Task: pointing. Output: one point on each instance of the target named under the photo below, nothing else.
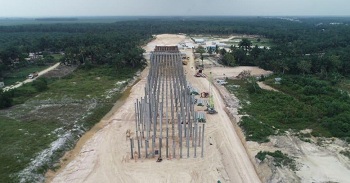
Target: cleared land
(104, 157)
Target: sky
(64, 8)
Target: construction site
(171, 127)
(165, 119)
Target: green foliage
(228, 59)
(6, 99)
(200, 49)
(40, 84)
(23, 93)
(245, 44)
(303, 103)
(255, 130)
(252, 86)
(21, 74)
(280, 159)
(330, 105)
(20, 141)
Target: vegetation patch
(20, 74)
(20, 141)
(255, 130)
(279, 159)
(46, 121)
(298, 106)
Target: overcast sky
(54, 8)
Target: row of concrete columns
(165, 118)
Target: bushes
(304, 102)
(40, 84)
(255, 130)
(280, 159)
(5, 99)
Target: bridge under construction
(166, 123)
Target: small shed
(2, 84)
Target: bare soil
(60, 71)
(105, 158)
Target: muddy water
(70, 155)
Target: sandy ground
(31, 80)
(265, 86)
(104, 157)
(233, 72)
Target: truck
(33, 75)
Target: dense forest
(313, 46)
(303, 45)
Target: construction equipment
(204, 94)
(194, 92)
(200, 117)
(184, 62)
(210, 106)
(33, 75)
(200, 102)
(200, 73)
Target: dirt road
(31, 80)
(104, 157)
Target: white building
(198, 41)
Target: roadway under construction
(166, 123)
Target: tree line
(306, 46)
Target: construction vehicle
(204, 94)
(210, 106)
(33, 75)
(200, 102)
(184, 62)
(200, 73)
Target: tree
(5, 99)
(304, 66)
(245, 44)
(228, 59)
(232, 48)
(217, 49)
(223, 52)
(200, 49)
